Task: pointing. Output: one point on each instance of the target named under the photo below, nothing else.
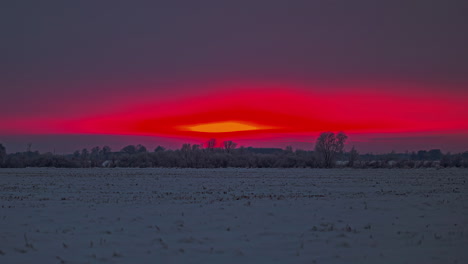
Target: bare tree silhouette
(2, 154)
(353, 156)
(211, 144)
(328, 146)
(130, 149)
(229, 145)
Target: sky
(393, 75)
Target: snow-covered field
(233, 216)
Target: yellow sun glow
(221, 127)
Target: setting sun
(222, 127)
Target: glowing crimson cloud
(277, 111)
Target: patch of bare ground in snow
(233, 216)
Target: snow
(233, 215)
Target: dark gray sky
(49, 44)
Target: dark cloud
(90, 40)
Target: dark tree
(422, 155)
(353, 157)
(95, 152)
(211, 144)
(196, 147)
(328, 146)
(85, 158)
(186, 148)
(130, 149)
(229, 146)
(84, 154)
(2, 154)
(105, 152)
(141, 149)
(159, 149)
(95, 156)
(434, 154)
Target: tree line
(328, 153)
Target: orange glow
(264, 112)
(223, 127)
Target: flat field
(233, 216)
